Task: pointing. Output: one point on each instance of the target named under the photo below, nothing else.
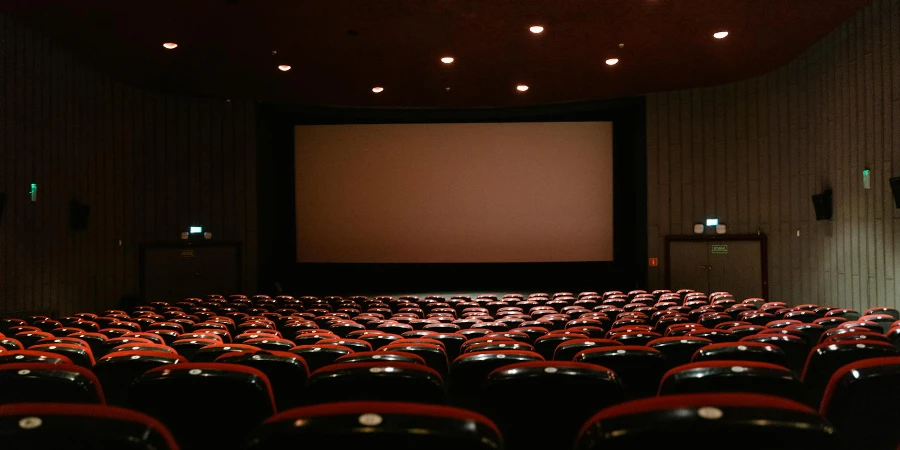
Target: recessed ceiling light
(170, 45)
(720, 35)
(447, 59)
(377, 89)
(612, 61)
(536, 29)
(522, 87)
(284, 67)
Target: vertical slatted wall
(148, 164)
(753, 153)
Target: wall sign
(719, 249)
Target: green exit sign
(720, 249)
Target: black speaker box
(895, 189)
(78, 215)
(822, 203)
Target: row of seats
(699, 421)
(236, 361)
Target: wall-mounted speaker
(895, 189)
(78, 215)
(822, 203)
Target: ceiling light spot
(522, 87)
(536, 29)
(447, 88)
(622, 45)
(720, 34)
(170, 45)
(447, 59)
(377, 89)
(612, 61)
(284, 67)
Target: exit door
(711, 265)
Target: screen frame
(280, 272)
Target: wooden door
(689, 265)
(710, 264)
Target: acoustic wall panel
(752, 153)
(149, 165)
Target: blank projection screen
(454, 193)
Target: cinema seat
(741, 351)
(563, 394)
(47, 325)
(229, 400)
(118, 371)
(546, 345)
(825, 359)
(65, 331)
(42, 382)
(143, 347)
(636, 337)
(857, 336)
(380, 340)
(884, 321)
(678, 350)
(717, 336)
(286, 371)
(499, 345)
(168, 336)
(566, 351)
(114, 342)
(464, 348)
(155, 338)
(320, 355)
(469, 372)
(9, 322)
(80, 426)
(210, 352)
(731, 421)
(271, 343)
(433, 353)
(376, 381)
(795, 348)
(533, 332)
(639, 368)
(883, 310)
(64, 340)
(215, 328)
(354, 344)
(29, 338)
(79, 355)
(379, 356)
(861, 400)
(32, 356)
(733, 376)
(10, 344)
(378, 425)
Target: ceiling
(340, 49)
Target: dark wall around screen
(277, 237)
